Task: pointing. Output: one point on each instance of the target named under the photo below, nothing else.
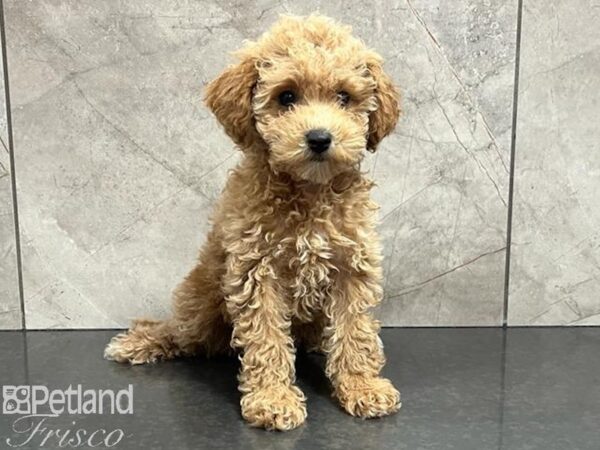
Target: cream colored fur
(293, 256)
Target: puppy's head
(310, 95)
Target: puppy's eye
(287, 98)
(343, 98)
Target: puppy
(293, 256)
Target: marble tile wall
(10, 305)
(443, 175)
(119, 163)
(555, 261)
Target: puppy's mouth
(317, 158)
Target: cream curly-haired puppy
(293, 256)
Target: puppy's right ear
(229, 97)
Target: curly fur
(293, 256)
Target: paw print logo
(15, 400)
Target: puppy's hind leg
(198, 322)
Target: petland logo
(37, 406)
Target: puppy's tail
(146, 341)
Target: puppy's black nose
(318, 140)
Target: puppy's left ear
(229, 97)
(383, 120)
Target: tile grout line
(25, 352)
(502, 396)
(511, 180)
(11, 151)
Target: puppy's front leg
(355, 355)
(261, 330)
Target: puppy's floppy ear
(383, 120)
(229, 97)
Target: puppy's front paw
(275, 408)
(368, 396)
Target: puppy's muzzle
(318, 140)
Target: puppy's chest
(313, 256)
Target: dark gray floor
(461, 389)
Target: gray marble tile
(478, 39)
(121, 162)
(443, 176)
(450, 382)
(10, 306)
(464, 389)
(550, 389)
(555, 264)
